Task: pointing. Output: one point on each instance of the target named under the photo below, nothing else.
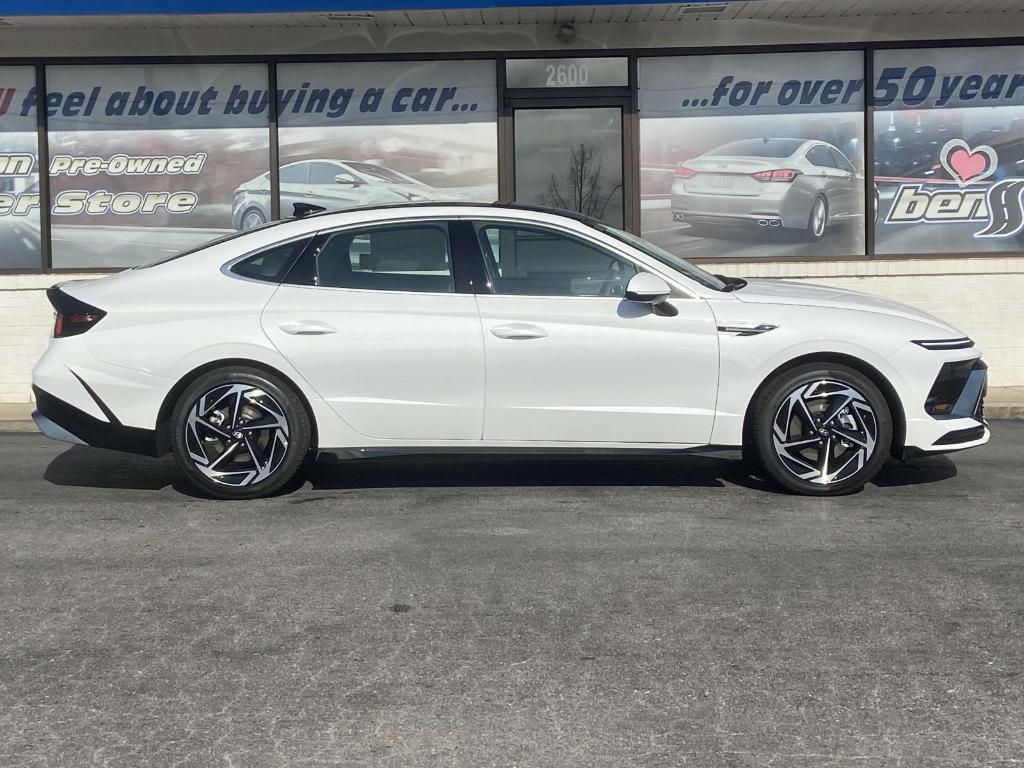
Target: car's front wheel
(821, 429)
(253, 218)
(240, 433)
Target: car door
(834, 181)
(375, 320)
(333, 186)
(850, 184)
(568, 359)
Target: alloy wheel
(825, 432)
(252, 219)
(818, 214)
(236, 434)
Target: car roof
(284, 229)
(421, 207)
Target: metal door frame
(624, 98)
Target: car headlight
(940, 344)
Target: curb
(18, 426)
(1004, 411)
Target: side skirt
(346, 454)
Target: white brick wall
(982, 296)
(27, 319)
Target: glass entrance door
(571, 158)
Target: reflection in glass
(170, 145)
(19, 175)
(390, 153)
(571, 159)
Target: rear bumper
(780, 206)
(60, 420)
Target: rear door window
(820, 156)
(407, 257)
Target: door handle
(520, 331)
(307, 328)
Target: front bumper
(955, 410)
(60, 420)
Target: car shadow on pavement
(96, 468)
(530, 470)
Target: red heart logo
(967, 165)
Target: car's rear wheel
(821, 429)
(817, 222)
(240, 433)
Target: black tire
(858, 439)
(251, 219)
(813, 231)
(269, 428)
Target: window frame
(843, 163)
(828, 154)
(339, 170)
(228, 267)
(478, 223)
(305, 172)
(302, 273)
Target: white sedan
(490, 328)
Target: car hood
(803, 294)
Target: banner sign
(387, 93)
(110, 97)
(753, 156)
(950, 176)
(741, 84)
(949, 77)
(149, 159)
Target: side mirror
(646, 288)
(348, 181)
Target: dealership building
(862, 144)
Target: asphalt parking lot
(500, 612)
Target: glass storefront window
(949, 150)
(19, 170)
(753, 156)
(149, 160)
(571, 158)
(382, 132)
(749, 156)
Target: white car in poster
(332, 185)
(770, 184)
(445, 327)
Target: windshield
(668, 259)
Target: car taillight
(72, 316)
(682, 172)
(777, 174)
